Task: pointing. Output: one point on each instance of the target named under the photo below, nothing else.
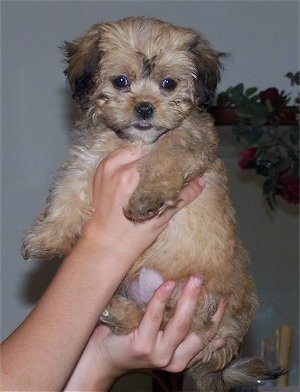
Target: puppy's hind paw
(122, 315)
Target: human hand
(173, 349)
(108, 356)
(116, 178)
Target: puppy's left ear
(208, 66)
(83, 57)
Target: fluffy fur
(145, 81)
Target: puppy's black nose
(144, 110)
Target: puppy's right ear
(82, 57)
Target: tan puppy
(143, 81)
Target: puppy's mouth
(143, 125)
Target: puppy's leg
(59, 225)
(176, 158)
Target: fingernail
(201, 182)
(169, 286)
(197, 281)
(224, 300)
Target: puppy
(144, 81)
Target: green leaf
(253, 136)
(254, 98)
(224, 99)
(243, 112)
(250, 91)
(258, 122)
(283, 164)
(239, 88)
(269, 192)
(271, 199)
(295, 78)
(296, 169)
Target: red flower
(271, 94)
(288, 187)
(247, 158)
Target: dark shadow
(69, 111)
(36, 281)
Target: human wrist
(93, 372)
(124, 243)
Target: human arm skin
(43, 351)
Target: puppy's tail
(242, 371)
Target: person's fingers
(165, 343)
(179, 325)
(117, 162)
(219, 343)
(173, 349)
(211, 334)
(120, 171)
(190, 350)
(152, 319)
(122, 156)
(216, 319)
(189, 193)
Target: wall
(262, 37)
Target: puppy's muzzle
(144, 110)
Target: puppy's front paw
(146, 205)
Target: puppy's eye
(168, 84)
(121, 81)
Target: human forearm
(58, 328)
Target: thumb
(191, 191)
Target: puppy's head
(141, 76)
